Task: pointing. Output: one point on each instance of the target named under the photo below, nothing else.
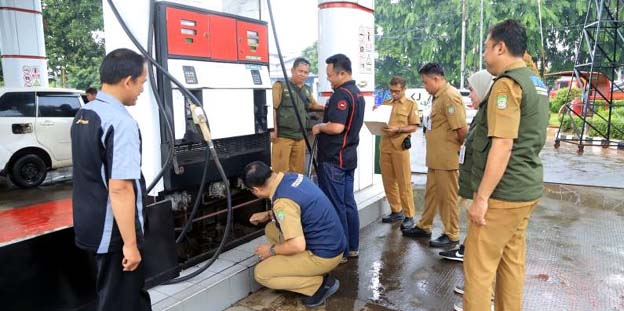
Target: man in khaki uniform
(288, 152)
(445, 134)
(306, 240)
(394, 160)
(507, 173)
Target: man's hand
(391, 130)
(132, 257)
(316, 129)
(477, 210)
(261, 217)
(263, 251)
(274, 135)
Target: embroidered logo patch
(342, 105)
(501, 101)
(280, 215)
(451, 110)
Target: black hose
(290, 92)
(161, 108)
(210, 150)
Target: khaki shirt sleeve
(455, 113)
(288, 214)
(413, 118)
(503, 113)
(278, 88)
(314, 105)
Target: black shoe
(416, 232)
(329, 287)
(454, 254)
(443, 242)
(408, 222)
(392, 217)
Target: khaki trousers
(288, 155)
(496, 251)
(301, 273)
(441, 195)
(396, 174)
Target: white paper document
(376, 120)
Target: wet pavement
(575, 262)
(56, 186)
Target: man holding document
(394, 157)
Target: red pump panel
(253, 42)
(187, 33)
(223, 38)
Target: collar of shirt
(110, 99)
(441, 90)
(515, 65)
(402, 100)
(274, 184)
(346, 84)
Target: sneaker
(416, 232)
(454, 254)
(329, 287)
(408, 222)
(443, 241)
(344, 260)
(459, 307)
(392, 217)
(354, 254)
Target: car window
(58, 105)
(17, 104)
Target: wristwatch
(272, 250)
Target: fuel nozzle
(200, 119)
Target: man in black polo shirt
(338, 138)
(108, 184)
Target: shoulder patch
(451, 109)
(280, 215)
(501, 101)
(342, 105)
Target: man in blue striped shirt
(108, 185)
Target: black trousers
(119, 290)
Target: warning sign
(31, 75)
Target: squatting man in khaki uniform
(288, 151)
(396, 171)
(507, 174)
(306, 240)
(445, 134)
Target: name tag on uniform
(462, 154)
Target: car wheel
(28, 171)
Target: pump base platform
(230, 278)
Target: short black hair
(431, 69)
(300, 61)
(119, 64)
(91, 90)
(513, 33)
(256, 174)
(396, 80)
(341, 63)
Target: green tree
(311, 54)
(411, 33)
(71, 29)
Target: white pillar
(22, 45)
(348, 27)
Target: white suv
(35, 132)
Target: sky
(297, 25)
